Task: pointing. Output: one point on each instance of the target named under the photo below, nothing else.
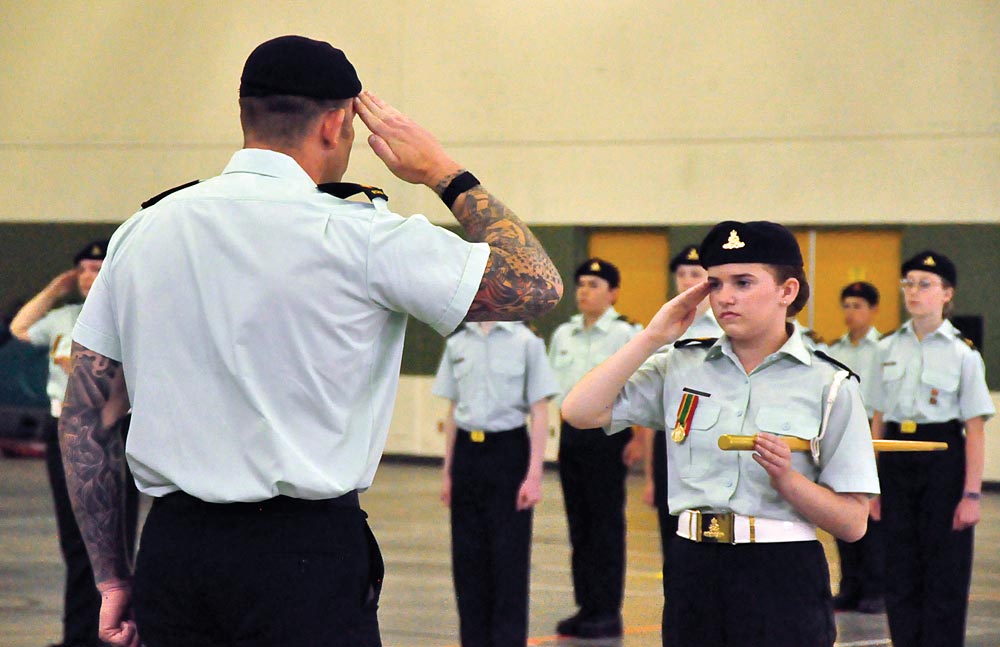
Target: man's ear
(330, 125)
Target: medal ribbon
(685, 413)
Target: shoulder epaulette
(344, 190)
(888, 334)
(625, 319)
(837, 363)
(971, 344)
(695, 342)
(813, 335)
(159, 196)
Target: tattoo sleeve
(90, 436)
(520, 281)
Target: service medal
(685, 414)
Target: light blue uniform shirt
(937, 379)
(494, 378)
(785, 395)
(55, 331)
(574, 349)
(863, 360)
(260, 327)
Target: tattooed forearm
(90, 436)
(520, 281)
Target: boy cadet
(258, 414)
(592, 464)
(862, 564)
(493, 373)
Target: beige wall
(575, 112)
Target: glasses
(921, 286)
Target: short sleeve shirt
(937, 379)
(494, 377)
(260, 325)
(55, 331)
(704, 325)
(863, 360)
(785, 395)
(575, 349)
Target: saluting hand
(407, 148)
(676, 315)
(63, 284)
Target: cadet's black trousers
(277, 573)
(490, 538)
(929, 568)
(862, 564)
(749, 595)
(81, 601)
(593, 483)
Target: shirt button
(729, 484)
(739, 413)
(786, 427)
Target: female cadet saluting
(750, 571)
(930, 385)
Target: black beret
(862, 290)
(94, 251)
(601, 268)
(687, 256)
(930, 261)
(299, 66)
(750, 242)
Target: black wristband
(975, 496)
(462, 183)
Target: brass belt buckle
(719, 530)
(477, 436)
(908, 427)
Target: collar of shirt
(270, 163)
(505, 326)
(793, 347)
(602, 324)
(946, 330)
(873, 335)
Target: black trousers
(81, 601)
(593, 483)
(862, 564)
(749, 595)
(667, 522)
(277, 573)
(929, 569)
(490, 538)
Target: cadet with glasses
(931, 385)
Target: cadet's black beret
(687, 256)
(94, 251)
(599, 267)
(931, 261)
(749, 242)
(862, 290)
(301, 67)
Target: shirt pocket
(791, 421)
(942, 378)
(695, 456)
(892, 372)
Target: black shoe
(845, 602)
(599, 627)
(872, 605)
(567, 626)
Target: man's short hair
(283, 118)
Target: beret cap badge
(693, 254)
(734, 241)
(595, 267)
(929, 261)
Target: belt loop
(753, 531)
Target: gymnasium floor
(418, 606)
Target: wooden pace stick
(745, 443)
